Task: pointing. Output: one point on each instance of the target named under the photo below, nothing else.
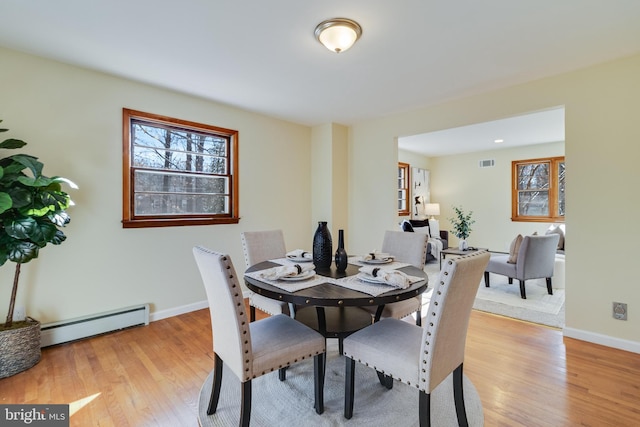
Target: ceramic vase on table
(322, 246)
(462, 245)
(341, 254)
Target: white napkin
(377, 255)
(276, 273)
(394, 278)
(299, 253)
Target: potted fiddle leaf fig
(32, 211)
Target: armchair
(535, 260)
(416, 225)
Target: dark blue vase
(341, 255)
(322, 246)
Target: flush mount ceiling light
(338, 34)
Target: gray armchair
(535, 260)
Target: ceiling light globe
(338, 34)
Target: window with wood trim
(177, 172)
(538, 190)
(403, 189)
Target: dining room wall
(71, 118)
(601, 104)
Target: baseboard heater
(92, 325)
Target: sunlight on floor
(81, 403)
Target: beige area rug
(504, 299)
(290, 402)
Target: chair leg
(385, 380)
(282, 373)
(318, 377)
(511, 280)
(349, 379)
(424, 409)
(486, 279)
(245, 409)
(340, 346)
(549, 287)
(419, 317)
(252, 313)
(523, 292)
(458, 397)
(217, 382)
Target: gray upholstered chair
(535, 260)
(259, 246)
(412, 249)
(252, 349)
(422, 357)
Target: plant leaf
(23, 252)
(5, 202)
(11, 143)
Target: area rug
(290, 402)
(504, 299)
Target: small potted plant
(461, 225)
(32, 209)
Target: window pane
(561, 174)
(533, 176)
(146, 181)
(533, 203)
(180, 204)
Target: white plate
(299, 259)
(370, 279)
(302, 276)
(379, 261)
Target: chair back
(406, 247)
(261, 246)
(229, 322)
(537, 256)
(445, 324)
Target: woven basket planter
(19, 348)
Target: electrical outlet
(19, 313)
(620, 310)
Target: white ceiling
(262, 55)
(534, 128)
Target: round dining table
(333, 310)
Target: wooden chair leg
(349, 379)
(458, 397)
(549, 287)
(215, 389)
(318, 377)
(252, 313)
(523, 292)
(424, 409)
(486, 279)
(245, 409)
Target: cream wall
(602, 133)
(458, 181)
(71, 119)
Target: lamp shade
(338, 34)
(432, 209)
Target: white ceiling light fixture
(338, 34)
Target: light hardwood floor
(525, 374)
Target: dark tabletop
(329, 295)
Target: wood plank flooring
(525, 374)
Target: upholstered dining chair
(252, 349)
(259, 246)
(422, 357)
(534, 260)
(412, 249)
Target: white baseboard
(601, 339)
(175, 311)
